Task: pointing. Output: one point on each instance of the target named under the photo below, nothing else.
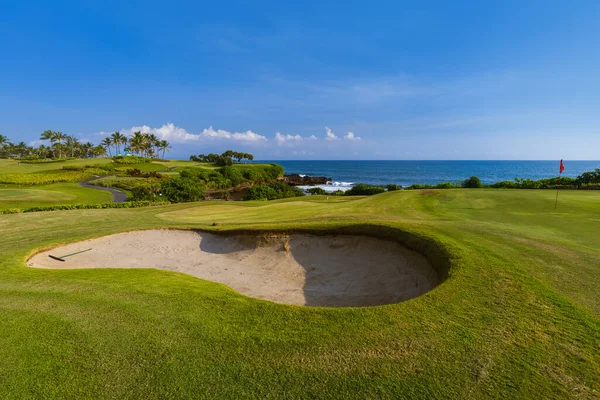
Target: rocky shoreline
(299, 180)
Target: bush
(363, 189)
(179, 190)
(126, 204)
(445, 185)
(316, 191)
(472, 182)
(418, 186)
(393, 187)
(278, 190)
(139, 174)
(260, 192)
(41, 160)
(233, 174)
(131, 160)
(148, 191)
(338, 192)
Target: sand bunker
(337, 271)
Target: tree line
(61, 145)
(226, 158)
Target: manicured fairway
(12, 196)
(518, 316)
(14, 167)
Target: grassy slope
(12, 166)
(518, 317)
(12, 196)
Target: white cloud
(330, 135)
(176, 134)
(281, 139)
(351, 136)
(168, 132)
(222, 134)
(312, 137)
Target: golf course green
(516, 317)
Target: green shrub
(278, 190)
(338, 192)
(139, 174)
(179, 190)
(131, 160)
(393, 187)
(260, 192)
(445, 185)
(233, 174)
(41, 160)
(364, 189)
(126, 204)
(316, 190)
(472, 182)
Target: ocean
(345, 174)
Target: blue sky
(310, 80)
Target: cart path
(118, 196)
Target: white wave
(301, 175)
(331, 186)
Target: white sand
(338, 271)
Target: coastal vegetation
(63, 146)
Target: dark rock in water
(297, 180)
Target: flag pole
(556, 201)
(560, 169)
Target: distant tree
(472, 182)
(3, 141)
(107, 143)
(118, 139)
(99, 151)
(164, 146)
(54, 138)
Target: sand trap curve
(337, 271)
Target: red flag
(562, 166)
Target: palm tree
(163, 146)
(3, 141)
(106, 142)
(99, 151)
(49, 135)
(71, 142)
(59, 138)
(117, 140)
(136, 142)
(124, 141)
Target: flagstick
(556, 201)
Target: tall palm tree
(3, 141)
(71, 142)
(117, 139)
(124, 141)
(106, 142)
(99, 151)
(136, 142)
(59, 139)
(163, 146)
(54, 138)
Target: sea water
(345, 174)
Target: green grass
(12, 196)
(145, 167)
(12, 166)
(518, 317)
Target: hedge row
(127, 204)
